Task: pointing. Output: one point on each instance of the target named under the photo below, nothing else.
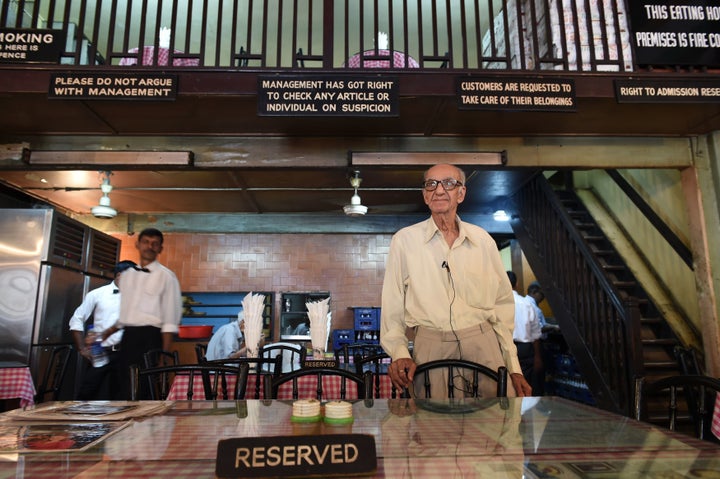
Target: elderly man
(445, 280)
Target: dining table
(381, 59)
(535, 437)
(17, 383)
(307, 387)
(147, 57)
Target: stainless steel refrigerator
(48, 262)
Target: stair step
(599, 252)
(611, 267)
(624, 284)
(661, 365)
(592, 238)
(653, 320)
(659, 342)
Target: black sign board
(327, 95)
(667, 91)
(675, 32)
(29, 46)
(113, 86)
(515, 94)
(324, 455)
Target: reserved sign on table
(297, 456)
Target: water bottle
(99, 356)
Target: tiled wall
(351, 267)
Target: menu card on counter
(88, 411)
(55, 437)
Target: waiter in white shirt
(150, 308)
(103, 305)
(526, 334)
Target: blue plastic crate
(367, 319)
(341, 337)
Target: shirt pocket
(480, 290)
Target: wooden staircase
(609, 322)
(657, 339)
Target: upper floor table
(537, 437)
(163, 57)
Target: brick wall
(351, 267)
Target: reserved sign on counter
(330, 455)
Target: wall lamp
(114, 158)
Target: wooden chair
(158, 357)
(293, 355)
(212, 376)
(376, 364)
(363, 382)
(261, 367)
(460, 367)
(682, 403)
(354, 349)
(54, 373)
(200, 351)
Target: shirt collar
(431, 230)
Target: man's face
(149, 247)
(440, 200)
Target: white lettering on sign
(295, 455)
(14, 37)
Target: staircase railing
(600, 323)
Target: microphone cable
(446, 266)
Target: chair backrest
(293, 355)
(259, 366)
(352, 350)
(200, 352)
(378, 365)
(682, 403)
(54, 373)
(155, 358)
(363, 382)
(213, 377)
(467, 372)
(158, 357)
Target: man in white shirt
(534, 297)
(103, 305)
(227, 341)
(526, 334)
(445, 280)
(150, 308)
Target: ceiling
(384, 190)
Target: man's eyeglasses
(448, 183)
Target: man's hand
(522, 388)
(401, 372)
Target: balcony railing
(528, 35)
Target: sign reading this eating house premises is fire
(113, 86)
(675, 33)
(516, 94)
(327, 95)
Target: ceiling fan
(355, 208)
(104, 210)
